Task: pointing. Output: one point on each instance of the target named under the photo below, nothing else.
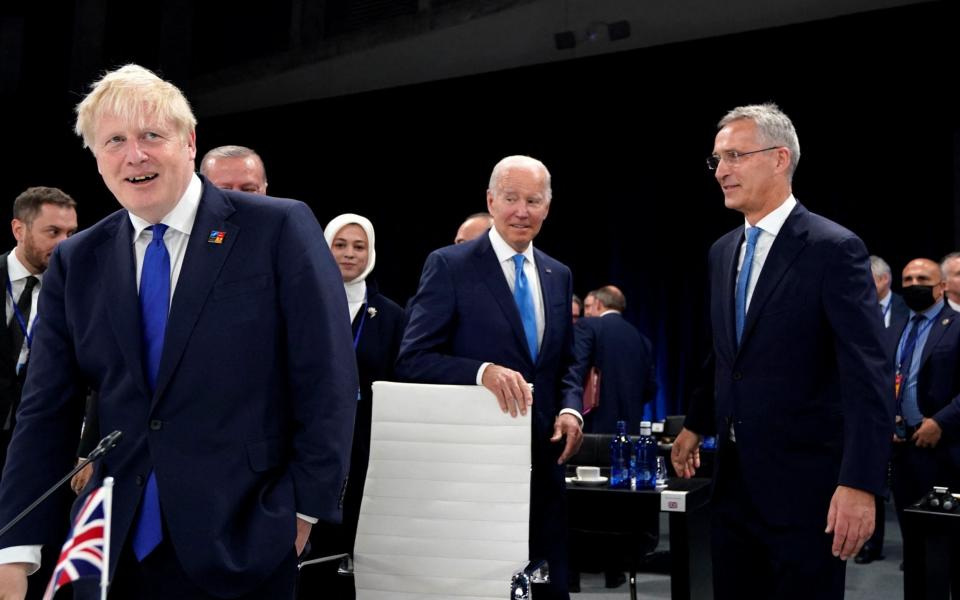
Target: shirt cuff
(21, 554)
(570, 411)
(483, 368)
(311, 520)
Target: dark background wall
(872, 96)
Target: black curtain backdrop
(625, 135)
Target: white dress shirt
(770, 226)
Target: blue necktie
(524, 300)
(154, 305)
(744, 280)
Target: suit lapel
(937, 330)
(491, 273)
(201, 266)
(119, 271)
(728, 283)
(550, 289)
(786, 247)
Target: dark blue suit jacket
(938, 389)
(808, 388)
(625, 359)
(464, 315)
(899, 315)
(252, 416)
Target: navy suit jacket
(625, 359)
(938, 386)
(808, 388)
(464, 315)
(899, 315)
(252, 416)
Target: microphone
(106, 445)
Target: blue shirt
(908, 398)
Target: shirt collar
(504, 251)
(609, 311)
(933, 311)
(886, 300)
(15, 269)
(773, 222)
(182, 216)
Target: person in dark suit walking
(42, 218)
(377, 328)
(926, 449)
(495, 312)
(800, 394)
(624, 357)
(212, 325)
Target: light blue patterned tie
(154, 306)
(744, 280)
(524, 300)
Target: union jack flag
(86, 551)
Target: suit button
(737, 376)
(139, 479)
(156, 425)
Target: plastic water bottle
(646, 457)
(621, 451)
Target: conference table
(604, 511)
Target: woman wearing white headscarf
(377, 329)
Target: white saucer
(594, 482)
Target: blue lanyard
(886, 311)
(903, 340)
(27, 335)
(356, 338)
(363, 319)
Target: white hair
(773, 126)
(519, 161)
(945, 260)
(879, 267)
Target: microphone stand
(106, 444)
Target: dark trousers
(756, 560)
(161, 577)
(874, 545)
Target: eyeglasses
(732, 156)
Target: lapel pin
(372, 312)
(216, 237)
(548, 270)
(945, 321)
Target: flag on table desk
(86, 552)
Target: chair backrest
(445, 510)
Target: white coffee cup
(588, 473)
